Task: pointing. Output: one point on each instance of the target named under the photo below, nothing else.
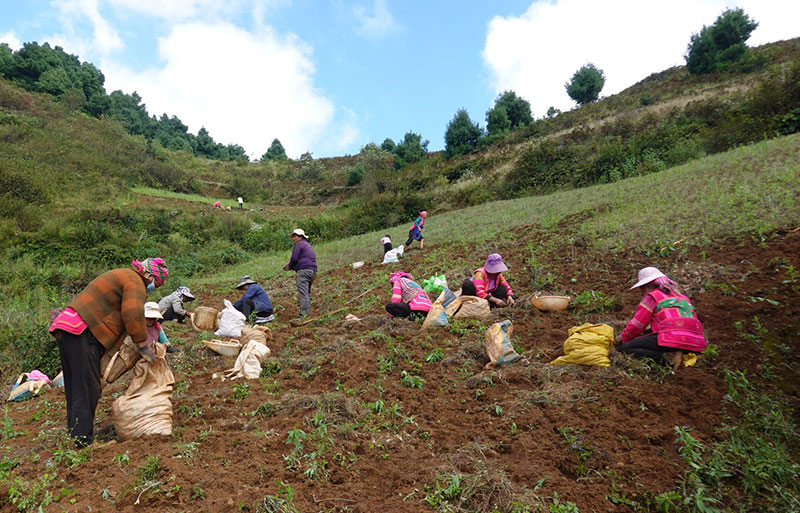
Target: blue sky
(329, 76)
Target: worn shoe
(264, 320)
(173, 349)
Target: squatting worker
(172, 306)
(488, 283)
(674, 324)
(110, 307)
(304, 262)
(408, 298)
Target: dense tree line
(80, 86)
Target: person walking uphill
(408, 298)
(255, 299)
(415, 233)
(304, 263)
(674, 324)
(110, 307)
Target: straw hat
(151, 311)
(647, 275)
(246, 280)
(300, 233)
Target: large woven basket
(551, 303)
(204, 318)
(115, 364)
(229, 348)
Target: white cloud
(536, 53)
(105, 38)
(245, 88)
(376, 24)
(11, 39)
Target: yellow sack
(587, 345)
(689, 359)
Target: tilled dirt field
(531, 434)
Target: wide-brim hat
(494, 264)
(299, 233)
(647, 275)
(246, 280)
(151, 311)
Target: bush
(461, 135)
(356, 175)
(412, 149)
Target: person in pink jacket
(674, 326)
(488, 283)
(408, 298)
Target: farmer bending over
(110, 307)
(408, 298)
(488, 283)
(171, 305)
(255, 299)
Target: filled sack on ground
(498, 345)
(248, 364)
(587, 345)
(393, 255)
(231, 322)
(26, 388)
(254, 333)
(146, 407)
(437, 315)
(471, 307)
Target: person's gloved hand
(148, 353)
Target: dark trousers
(387, 247)
(646, 347)
(468, 289)
(411, 237)
(80, 362)
(170, 315)
(248, 306)
(404, 310)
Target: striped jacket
(672, 316)
(409, 291)
(481, 281)
(113, 305)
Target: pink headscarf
(666, 283)
(155, 266)
(400, 274)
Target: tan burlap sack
(471, 307)
(254, 333)
(118, 360)
(146, 407)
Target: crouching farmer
(408, 298)
(488, 283)
(172, 306)
(110, 307)
(255, 300)
(674, 324)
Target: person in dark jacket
(304, 263)
(108, 309)
(255, 299)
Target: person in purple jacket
(304, 263)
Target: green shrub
(356, 175)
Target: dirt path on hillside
(528, 433)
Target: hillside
(380, 416)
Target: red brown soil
(625, 413)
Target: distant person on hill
(217, 204)
(408, 297)
(172, 305)
(241, 203)
(415, 233)
(387, 243)
(154, 331)
(255, 299)
(674, 326)
(304, 263)
(108, 309)
(488, 283)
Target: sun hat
(300, 233)
(494, 264)
(246, 280)
(184, 291)
(647, 275)
(151, 311)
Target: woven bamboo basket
(205, 318)
(551, 303)
(229, 348)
